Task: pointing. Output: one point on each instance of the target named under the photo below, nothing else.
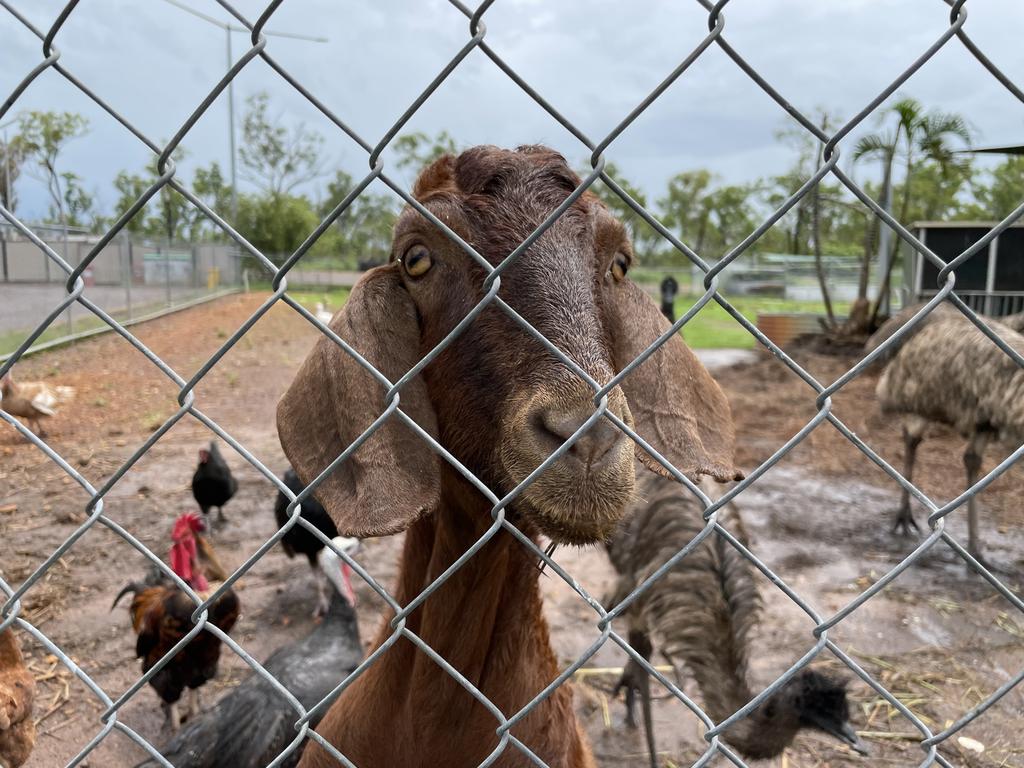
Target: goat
(946, 370)
(703, 612)
(500, 403)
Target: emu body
(946, 370)
(701, 616)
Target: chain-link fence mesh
(78, 293)
(133, 280)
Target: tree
(916, 134)
(645, 238)
(44, 135)
(709, 219)
(12, 156)
(79, 205)
(687, 205)
(364, 228)
(1006, 191)
(171, 216)
(130, 187)
(275, 224)
(210, 186)
(416, 150)
(275, 158)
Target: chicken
(300, 541)
(17, 690)
(212, 484)
(322, 314)
(250, 726)
(32, 400)
(162, 615)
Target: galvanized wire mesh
(604, 616)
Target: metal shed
(991, 281)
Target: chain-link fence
(131, 279)
(607, 629)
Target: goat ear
(677, 407)
(392, 478)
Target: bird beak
(842, 731)
(846, 734)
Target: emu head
(496, 397)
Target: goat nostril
(591, 447)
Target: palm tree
(916, 135)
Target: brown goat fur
(500, 403)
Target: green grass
(331, 297)
(10, 340)
(714, 328)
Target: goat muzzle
(584, 493)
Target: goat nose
(593, 448)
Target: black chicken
(253, 724)
(299, 541)
(213, 484)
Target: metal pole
(167, 272)
(7, 173)
(128, 272)
(67, 258)
(231, 131)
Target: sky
(593, 59)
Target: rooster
(213, 484)
(162, 615)
(17, 690)
(252, 724)
(32, 400)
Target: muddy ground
(939, 637)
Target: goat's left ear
(677, 407)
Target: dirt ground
(939, 637)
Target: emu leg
(636, 680)
(972, 463)
(912, 436)
(194, 706)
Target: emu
(946, 370)
(500, 403)
(702, 613)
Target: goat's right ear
(393, 478)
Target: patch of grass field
(714, 328)
(333, 298)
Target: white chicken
(322, 314)
(32, 400)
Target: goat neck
(486, 621)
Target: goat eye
(417, 261)
(620, 265)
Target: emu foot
(986, 564)
(634, 680)
(904, 521)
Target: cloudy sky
(593, 59)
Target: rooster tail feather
(133, 587)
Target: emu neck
(486, 621)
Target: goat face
(495, 397)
